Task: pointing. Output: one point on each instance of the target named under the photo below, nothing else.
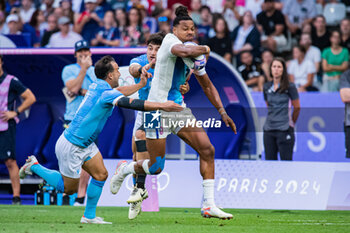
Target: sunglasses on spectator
(163, 19)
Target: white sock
(129, 169)
(208, 192)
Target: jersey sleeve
(67, 74)
(171, 43)
(111, 97)
(17, 86)
(293, 92)
(136, 60)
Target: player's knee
(140, 135)
(10, 163)
(101, 176)
(208, 152)
(158, 166)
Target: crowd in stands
(314, 35)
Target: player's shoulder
(70, 67)
(142, 60)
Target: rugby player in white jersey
(169, 74)
(143, 64)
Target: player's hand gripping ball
(196, 63)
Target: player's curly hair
(103, 67)
(181, 13)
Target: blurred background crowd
(314, 35)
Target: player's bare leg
(199, 141)
(99, 174)
(83, 183)
(139, 191)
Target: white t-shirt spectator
(58, 41)
(313, 54)
(26, 15)
(301, 71)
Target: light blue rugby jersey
(71, 72)
(142, 60)
(92, 114)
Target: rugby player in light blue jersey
(75, 149)
(169, 74)
(143, 64)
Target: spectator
(10, 89)
(13, 25)
(221, 42)
(151, 22)
(301, 70)
(272, 26)
(136, 33)
(267, 57)
(102, 7)
(121, 18)
(66, 6)
(108, 36)
(88, 23)
(254, 6)
(52, 28)
(37, 26)
(3, 26)
(119, 4)
(278, 129)
(205, 27)
(195, 14)
(232, 14)
(77, 79)
(47, 8)
(345, 97)
(246, 37)
(65, 37)
(335, 61)
(320, 35)
(251, 72)
(306, 28)
(345, 33)
(164, 24)
(312, 52)
(298, 13)
(26, 10)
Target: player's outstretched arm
(144, 105)
(182, 50)
(214, 98)
(129, 90)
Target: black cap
(269, 1)
(81, 44)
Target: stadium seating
(111, 134)
(48, 152)
(124, 149)
(227, 144)
(33, 132)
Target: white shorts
(138, 122)
(170, 123)
(71, 157)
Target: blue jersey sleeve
(67, 74)
(111, 97)
(141, 60)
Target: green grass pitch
(66, 219)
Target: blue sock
(52, 177)
(134, 180)
(94, 191)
